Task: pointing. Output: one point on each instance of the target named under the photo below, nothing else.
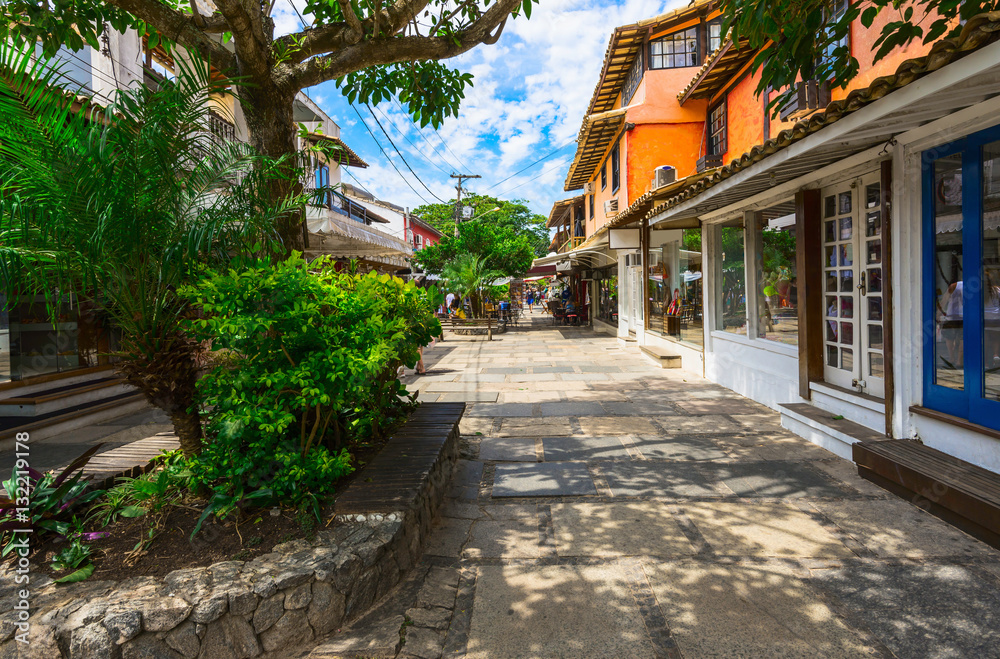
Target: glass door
(635, 297)
(852, 263)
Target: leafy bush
(304, 360)
(51, 502)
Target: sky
(529, 94)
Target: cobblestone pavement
(607, 508)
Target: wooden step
(10, 426)
(664, 357)
(959, 492)
(60, 398)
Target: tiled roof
(979, 31)
(595, 135)
(352, 159)
(558, 207)
(718, 69)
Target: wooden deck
(130, 460)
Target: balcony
(222, 129)
(571, 244)
(338, 203)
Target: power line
(379, 145)
(545, 157)
(405, 137)
(443, 143)
(424, 137)
(550, 169)
(396, 149)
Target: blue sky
(530, 92)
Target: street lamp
(492, 210)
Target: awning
(346, 157)
(342, 237)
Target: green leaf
(132, 511)
(80, 575)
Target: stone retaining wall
(232, 610)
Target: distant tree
(805, 39)
(502, 250)
(513, 214)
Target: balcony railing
(571, 244)
(338, 203)
(222, 129)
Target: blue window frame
(323, 181)
(961, 278)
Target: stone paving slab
(542, 479)
(688, 425)
(500, 409)
(654, 447)
(774, 479)
(583, 448)
(572, 408)
(640, 528)
(639, 408)
(920, 611)
(552, 426)
(763, 529)
(505, 538)
(525, 396)
(565, 611)
(511, 449)
(896, 528)
(748, 611)
(611, 425)
(720, 406)
(656, 480)
(469, 397)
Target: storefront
(606, 295)
(674, 286)
(33, 346)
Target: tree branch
(354, 29)
(253, 55)
(485, 30)
(182, 29)
(337, 36)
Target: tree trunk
(187, 425)
(269, 112)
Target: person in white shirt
(447, 299)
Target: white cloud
(530, 92)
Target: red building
(419, 233)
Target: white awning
(342, 237)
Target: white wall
(751, 368)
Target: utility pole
(458, 201)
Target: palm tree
(468, 274)
(121, 205)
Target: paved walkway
(607, 508)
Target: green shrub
(304, 361)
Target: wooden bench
(488, 324)
(394, 479)
(959, 492)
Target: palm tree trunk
(187, 425)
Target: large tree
(372, 49)
(501, 250)
(513, 214)
(805, 39)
